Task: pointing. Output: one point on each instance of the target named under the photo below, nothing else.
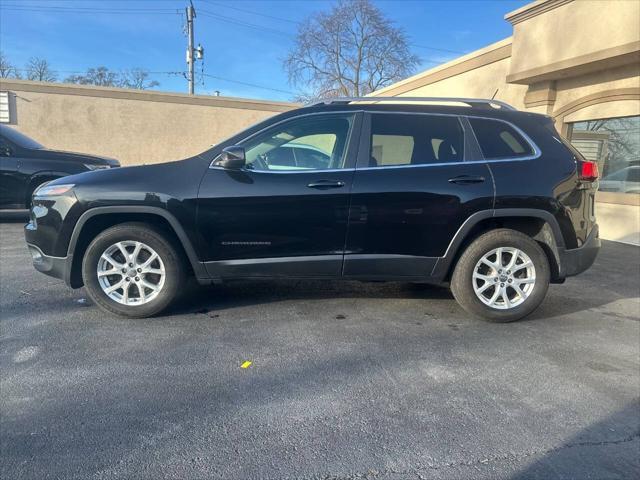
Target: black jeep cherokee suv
(470, 193)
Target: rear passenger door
(418, 178)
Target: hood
(137, 184)
(77, 157)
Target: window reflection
(613, 143)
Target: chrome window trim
(448, 163)
(310, 170)
(245, 139)
(537, 152)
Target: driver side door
(278, 216)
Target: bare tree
(352, 50)
(623, 141)
(99, 76)
(7, 69)
(137, 78)
(40, 70)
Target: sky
(245, 41)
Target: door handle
(467, 179)
(325, 184)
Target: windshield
(18, 138)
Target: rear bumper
(577, 260)
(57, 267)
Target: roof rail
(472, 102)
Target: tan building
(133, 126)
(578, 61)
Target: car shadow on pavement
(200, 299)
(578, 294)
(606, 449)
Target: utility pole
(191, 13)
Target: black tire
(148, 235)
(462, 279)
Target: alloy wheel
(504, 278)
(131, 273)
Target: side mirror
(231, 157)
(5, 151)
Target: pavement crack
(485, 460)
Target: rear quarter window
(498, 140)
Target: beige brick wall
(133, 126)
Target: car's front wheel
(502, 276)
(132, 270)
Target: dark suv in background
(25, 165)
(469, 193)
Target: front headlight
(96, 167)
(52, 190)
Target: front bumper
(577, 260)
(57, 267)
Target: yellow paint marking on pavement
(246, 364)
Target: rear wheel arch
(96, 220)
(537, 224)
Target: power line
(177, 73)
(90, 10)
(446, 50)
(242, 23)
(169, 11)
(251, 12)
(55, 70)
(246, 84)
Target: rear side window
(414, 139)
(499, 140)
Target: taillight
(588, 171)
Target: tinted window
(282, 156)
(324, 136)
(499, 140)
(415, 139)
(311, 157)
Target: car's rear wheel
(502, 276)
(132, 270)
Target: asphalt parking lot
(347, 380)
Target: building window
(613, 143)
(5, 116)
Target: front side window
(415, 140)
(316, 142)
(498, 140)
(613, 143)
